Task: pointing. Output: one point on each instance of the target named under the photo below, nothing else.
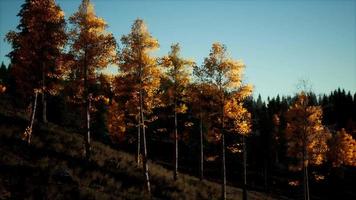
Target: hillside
(53, 167)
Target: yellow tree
(306, 136)
(201, 97)
(224, 74)
(37, 49)
(116, 121)
(240, 120)
(140, 69)
(343, 149)
(178, 73)
(93, 48)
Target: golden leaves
(343, 149)
(239, 115)
(139, 66)
(90, 42)
(116, 122)
(305, 132)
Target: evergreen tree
(37, 49)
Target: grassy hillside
(53, 167)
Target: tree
(116, 122)
(306, 136)
(224, 74)
(28, 131)
(140, 69)
(241, 123)
(178, 73)
(343, 149)
(37, 48)
(93, 48)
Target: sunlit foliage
(37, 49)
(116, 122)
(92, 49)
(343, 149)
(140, 69)
(306, 135)
(178, 77)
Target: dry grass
(110, 174)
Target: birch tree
(178, 72)
(93, 49)
(141, 70)
(306, 137)
(225, 74)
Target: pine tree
(140, 69)
(178, 73)
(306, 136)
(37, 48)
(93, 48)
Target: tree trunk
(44, 103)
(138, 144)
(87, 138)
(29, 131)
(145, 164)
(223, 195)
(175, 176)
(307, 182)
(201, 148)
(244, 193)
(305, 175)
(87, 110)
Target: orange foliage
(305, 132)
(343, 149)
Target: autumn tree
(306, 136)
(240, 120)
(140, 69)
(178, 72)
(37, 49)
(93, 48)
(224, 74)
(343, 149)
(116, 122)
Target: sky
(281, 42)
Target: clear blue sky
(281, 42)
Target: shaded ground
(53, 167)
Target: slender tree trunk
(175, 176)
(201, 148)
(305, 175)
(29, 132)
(138, 156)
(244, 193)
(307, 182)
(44, 102)
(223, 195)
(145, 164)
(87, 110)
